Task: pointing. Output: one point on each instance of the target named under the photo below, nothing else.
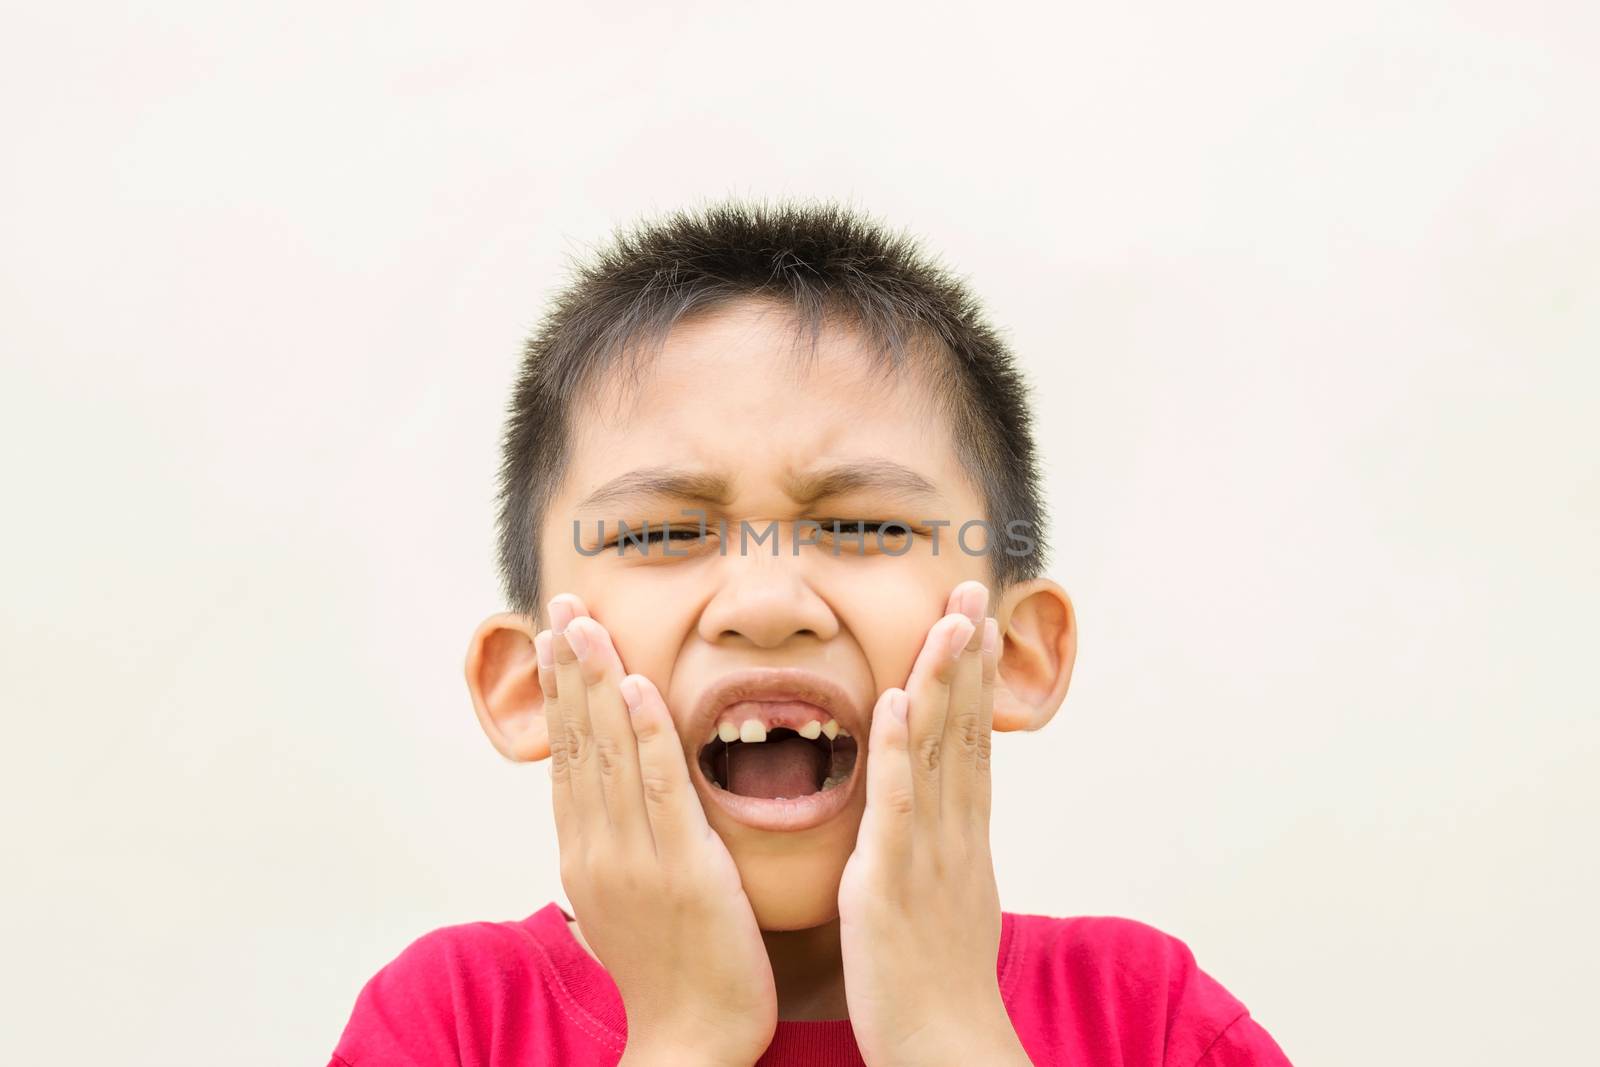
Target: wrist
(997, 1045)
(637, 1056)
(645, 1051)
(675, 1056)
(981, 1038)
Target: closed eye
(863, 526)
(654, 534)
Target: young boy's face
(727, 402)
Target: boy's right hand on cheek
(653, 887)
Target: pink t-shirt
(1084, 991)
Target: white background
(1309, 297)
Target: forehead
(737, 395)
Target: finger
(563, 608)
(984, 778)
(677, 821)
(583, 771)
(929, 691)
(615, 750)
(890, 814)
(964, 722)
(560, 784)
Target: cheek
(647, 627)
(893, 650)
(890, 619)
(647, 645)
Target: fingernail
(974, 602)
(899, 704)
(959, 637)
(577, 638)
(991, 636)
(632, 695)
(561, 614)
(543, 648)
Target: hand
(919, 914)
(652, 886)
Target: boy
(772, 480)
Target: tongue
(791, 767)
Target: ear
(1038, 645)
(503, 678)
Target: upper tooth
(727, 731)
(830, 728)
(752, 730)
(811, 729)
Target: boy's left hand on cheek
(919, 913)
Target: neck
(808, 971)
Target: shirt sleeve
(1244, 1044)
(404, 1015)
(1107, 990)
(1207, 1025)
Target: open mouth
(778, 764)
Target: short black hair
(824, 261)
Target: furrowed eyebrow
(656, 483)
(874, 474)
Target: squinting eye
(862, 527)
(656, 534)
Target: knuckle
(983, 747)
(969, 732)
(927, 752)
(577, 749)
(594, 870)
(900, 802)
(608, 754)
(678, 884)
(560, 771)
(633, 881)
(658, 789)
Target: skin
(713, 930)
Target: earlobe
(502, 674)
(1039, 644)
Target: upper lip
(778, 683)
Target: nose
(765, 600)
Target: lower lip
(789, 814)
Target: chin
(792, 892)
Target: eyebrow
(659, 482)
(882, 475)
(654, 483)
